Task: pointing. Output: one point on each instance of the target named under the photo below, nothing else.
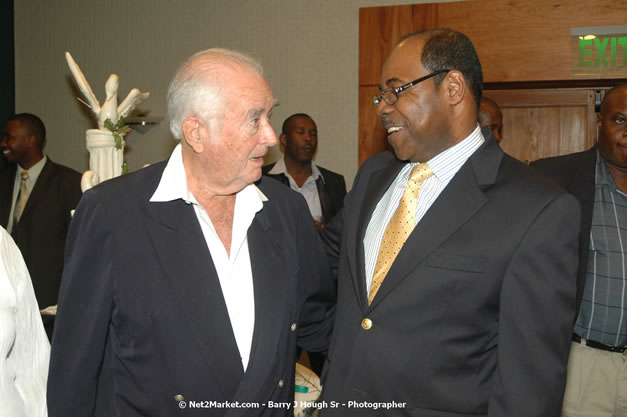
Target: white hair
(198, 87)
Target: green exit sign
(600, 50)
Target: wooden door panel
(547, 122)
(531, 133)
(383, 28)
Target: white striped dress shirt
(444, 166)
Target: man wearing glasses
(456, 286)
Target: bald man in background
(490, 117)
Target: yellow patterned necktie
(22, 197)
(399, 228)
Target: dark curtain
(7, 58)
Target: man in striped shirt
(597, 370)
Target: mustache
(389, 123)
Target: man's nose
(383, 108)
(269, 137)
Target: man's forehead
(403, 64)
(301, 120)
(617, 101)
(12, 124)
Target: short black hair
(287, 121)
(611, 92)
(451, 50)
(34, 124)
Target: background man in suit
(323, 190)
(37, 196)
(597, 368)
(187, 283)
(472, 315)
(490, 117)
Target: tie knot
(420, 173)
(25, 175)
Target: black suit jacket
(475, 314)
(44, 224)
(331, 189)
(576, 173)
(142, 323)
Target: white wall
(309, 50)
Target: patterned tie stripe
(22, 198)
(399, 228)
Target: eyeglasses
(390, 95)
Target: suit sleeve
(537, 303)
(85, 305)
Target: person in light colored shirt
(24, 347)
(323, 190)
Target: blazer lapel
(457, 203)
(583, 184)
(188, 266)
(269, 289)
(378, 184)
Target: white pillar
(104, 158)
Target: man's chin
(255, 176)
(401, 154)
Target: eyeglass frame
(395, 90)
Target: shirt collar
(446, 164)
(34, 171)
(173, 183)
(279, 168)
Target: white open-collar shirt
(234, 270)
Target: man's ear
(194, 130)
(282, 139)
(454, 87)
(32, 142)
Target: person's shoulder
(564, 160)
(8, 171)
(136, 183)
(273, 188)
(328, 174)
(266, 168)
(62, 169)
(379, 160)
(529, 181)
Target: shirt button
(293, 327)
(366, 324)
(179, 397)
(281, 383)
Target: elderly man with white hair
(188, 284)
